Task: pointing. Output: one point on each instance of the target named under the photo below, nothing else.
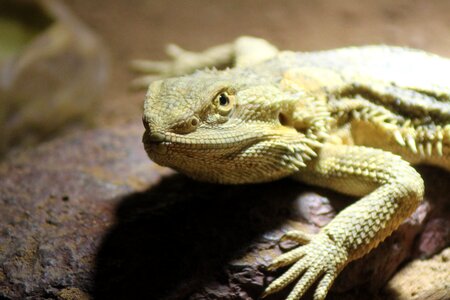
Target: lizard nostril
(194, 122)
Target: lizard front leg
(393, 190)
(243, 52)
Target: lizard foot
(181, 62)
(321, 259)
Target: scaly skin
(351, 120)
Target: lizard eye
(223, 99)
(224, 102)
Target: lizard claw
(320, 260)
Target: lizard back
(397, 99)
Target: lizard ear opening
(284, 119)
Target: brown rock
(90, 215)
(56, 204)
(424, 280)
(72, 294)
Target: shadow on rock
(171, 239)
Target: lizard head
(214, 127)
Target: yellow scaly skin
(351, 120)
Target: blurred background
(64, 64)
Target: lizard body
(351, 119)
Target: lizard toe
(323, 286)
(289, 276)
(320, 259)
(298, 236)
(150, 66)
(308, 278)
(287, 258)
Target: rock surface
(432, 284)
(90, 216)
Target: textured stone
(90, 215)
(56, 204)
(423, 280)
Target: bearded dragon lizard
(351, 119)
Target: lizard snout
(145, 123)
(151, 135)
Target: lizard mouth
(155, 142)
(153, 137)
(157, 138)
(159, 142)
